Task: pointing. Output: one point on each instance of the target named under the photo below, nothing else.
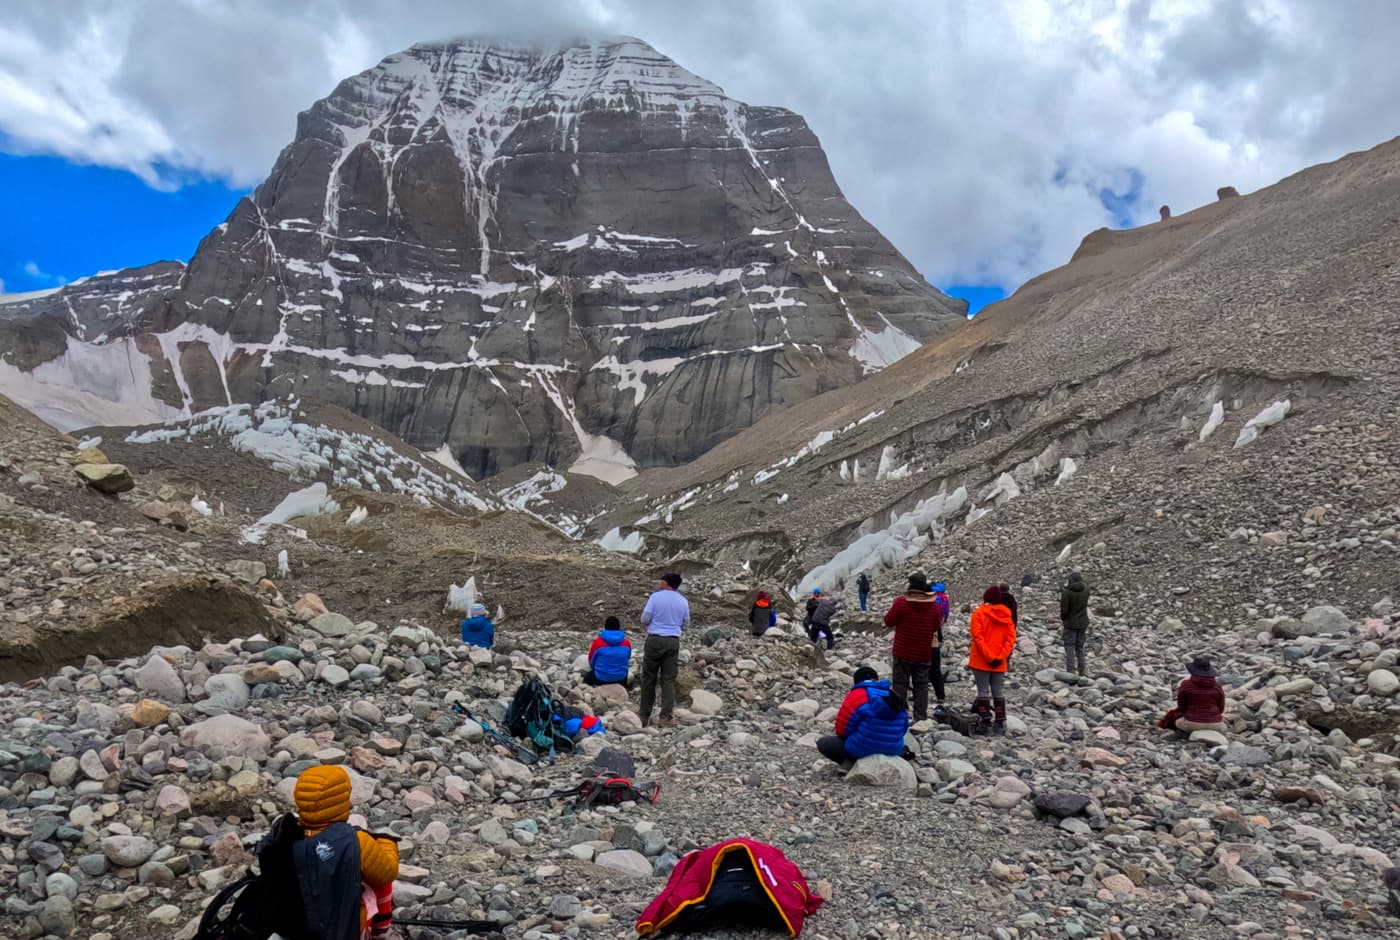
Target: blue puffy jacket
(611, 658)
(479, 631)
(869, 723)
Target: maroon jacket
(1200, 698)
(916, 619)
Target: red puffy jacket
(691, 880)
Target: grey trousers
(989, 684)
(1074, 650)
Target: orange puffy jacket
(993, 637)
(323, 797)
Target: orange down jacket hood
(322, 797)
(993, 634)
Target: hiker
(1200, 701)
(872, 720)
(993, 634)
(610, 656)
(819, 617)
(666, 613)
(863, 589)
(761, 614)
(1009, 600)
(940, 597)
(1074, 621)
(917, 622)
(335, 859)
(477, 629)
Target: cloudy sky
(984, 138)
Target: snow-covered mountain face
(585, 256)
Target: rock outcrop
(584, 256)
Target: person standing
(916, 620)
(993, 635)
(761, 614)
(1074, 620)
(940, 596)
(819, 620)
(863, 589)
(665, 615)
(1009, 600)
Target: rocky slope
(132, 787)
(584, 256)
(1101, 418)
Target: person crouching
(610, 656)
(477, 629)
(346, 875)
(872, 720)
(1200, 701)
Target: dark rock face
(585, 256)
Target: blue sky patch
(63, 221)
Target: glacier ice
(1267, 418)
(1068, 468)
(1217, 417)
(461, 597)
(311, 501)
(284, 567)
(357, 515)
(614, 541)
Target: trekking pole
(471, 926)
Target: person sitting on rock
(477, 629)
(872, 720)
(610, 656)
(761, 614)
(1200, 701)
(993, 638)
(335, 861)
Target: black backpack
(262, 903)
(531, 716)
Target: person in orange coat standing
(993, 635)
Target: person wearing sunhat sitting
(477, 629)
(1200, 701)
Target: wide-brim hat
(1200, 666)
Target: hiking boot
(666, 723)
(999, 728)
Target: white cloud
(977, 137)
(39, 274)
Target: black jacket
(1074, 606)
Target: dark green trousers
(661, 660)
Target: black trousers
(935, 675)
(833, 747)
(906, 672)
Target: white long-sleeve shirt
(666, 613)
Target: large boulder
(227, 736)
(882, 770)
(108, 478)
(157, 677)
